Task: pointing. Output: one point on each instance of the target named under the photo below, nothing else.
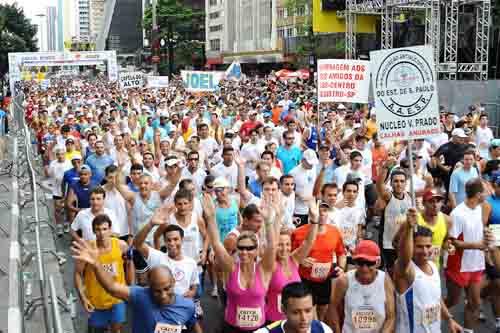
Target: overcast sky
(33, 7)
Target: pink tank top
(278, 281)
(245, 307)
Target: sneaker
(482, 316)
(59, 230)
(215, 292)
(66, 228)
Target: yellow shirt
(439, 232)
(112, 262)
(69, 155)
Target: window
(213, 2)
(281, 12)
(300, 11)
(281, 33)
(215, 28)
(290, 32)
(214, 15)
(215, 44)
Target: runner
(417, 282)
(365, 294)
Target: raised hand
(313, 210)
(84, 252)
(208, 207)
(238, 159)
(411, 217)
(161, 214)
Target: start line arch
(20, 60)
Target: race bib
(110, 268)
(364, 319)
(435, 253)
(431, 314)
(248, 317)
(167, 328)
(320, 270)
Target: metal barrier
(56, 315)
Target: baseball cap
(459, 132)
(70, 140)
(495, 143)
(171, 161)
(434, 193)
(324, 204)
(76, 157)
(354, 176)
(220, 182)
(310, 157)
(85, 167)
(368, 250)
(341, 107)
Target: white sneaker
(215, 292)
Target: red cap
(430, 194)
(368, 250)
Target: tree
(17, 34)
(178, 25)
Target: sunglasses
(246, 248)
(193, 159)
(361, 262)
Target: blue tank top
(312, 141)
(82, 193)
(226, 218)
(494, 202)
(277, 327)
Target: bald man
(155, 308)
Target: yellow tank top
(112, 262)
(439, 231)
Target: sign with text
(198, 81)
(405, 91)
(343, 80)
(157, 81)
(131, 80)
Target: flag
(234, 71)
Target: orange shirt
(326, 248)
(379, 155)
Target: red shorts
(464, 279)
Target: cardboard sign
(131, 80)
(342, 80)
(405, 91)
(157, 81)
(198, 81)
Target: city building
(67, 23)
(241, 30)
(83, 22)
(96, 11)
(51, 16)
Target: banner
(199, 81)
(157, 81)
(343, 80)
(405, 91)
(131, 80)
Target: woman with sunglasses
(287, 264)
(366, 294)
(246, 280)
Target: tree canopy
(17, 34)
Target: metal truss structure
(447, 66)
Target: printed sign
(342, 80)
(157, 81)
(198, 81)
(405, 91)
(131, 80)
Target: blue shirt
(98, 165)
(457, 182)
(494, 202)
(147, 314)
(70, 177)
(149, 134)
(255, 187)
(289, 157)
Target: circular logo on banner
(405, 83)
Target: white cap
(310, 157)
(172, 161)
(341, 107)
(459, 132)
(221, 182)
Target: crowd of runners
(255, 195)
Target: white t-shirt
(304, 184)
(83, 222)
(468, 223)
(250, 153)
(115, 202)
(289, 202)
(185, 271)
(230, 173)
(483, 138)
(56, 174)
(348, 220)
(198, 177)
(209, 146)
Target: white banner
(131, 80)
(198, 81)
(157, 81)
(405, 90)
(343, 80)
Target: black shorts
(320, 290)
(492, 273)
(389, 257)
(231, 329)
